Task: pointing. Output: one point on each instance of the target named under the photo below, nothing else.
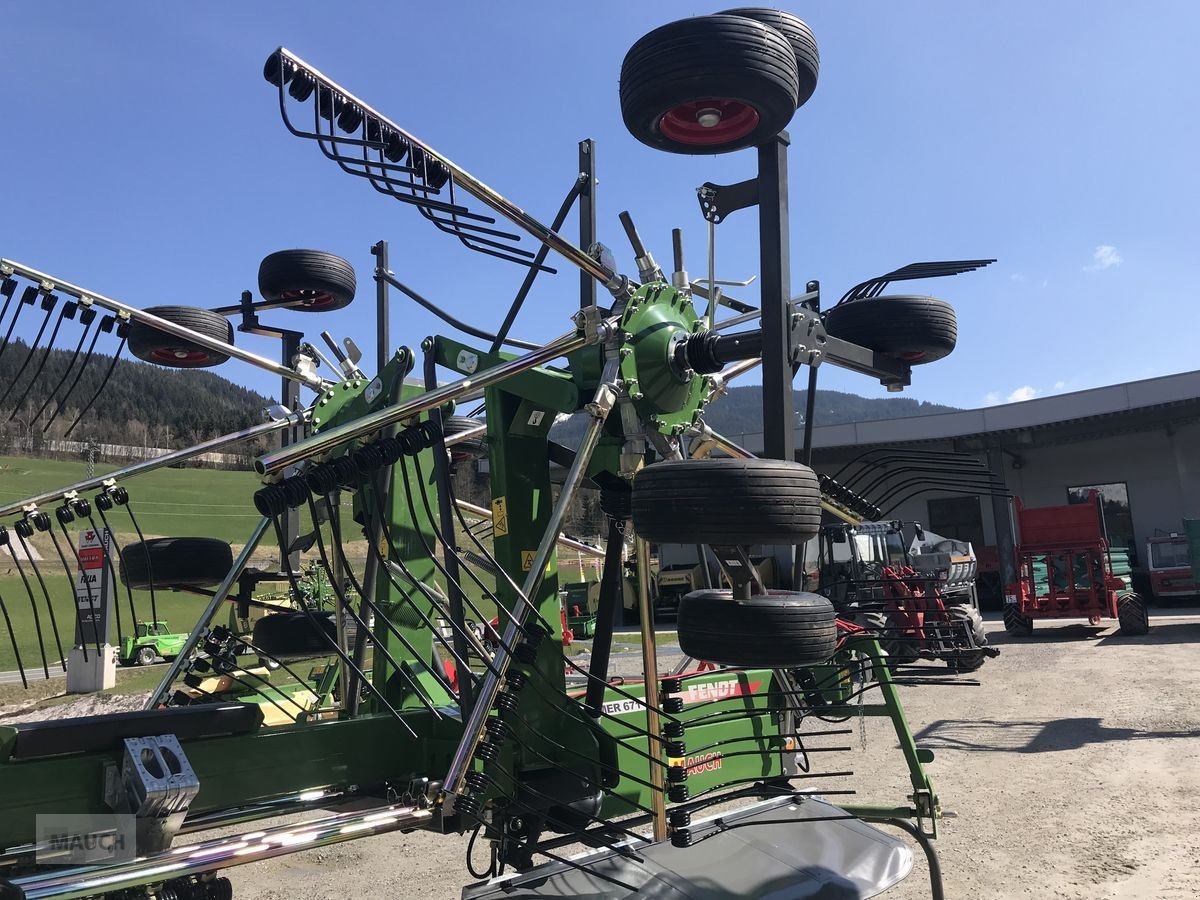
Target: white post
(88, 670)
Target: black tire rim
(708, 123)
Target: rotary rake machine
(400, 724)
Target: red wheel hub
(705, 123)
(176, 355)
(309, 299)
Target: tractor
(919, 598)
(150, 641)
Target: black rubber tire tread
(191, 561)
(146, 656)
(783, 629)
(900, 652)
(709, 57)
(915, 329)
(727, 501)
(1132, 614)
(307, 270)
(968, 660)
(1015, 623)
(145, 341)
(472, 448)
(798, 34)
(294, 635)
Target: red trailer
(1065, 571)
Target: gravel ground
(1072, 770)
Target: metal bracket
(807, 338)
(156, 785)
(718, 200)
(739, 569)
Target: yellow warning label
(527, 559)
(499, 517)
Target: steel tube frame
(158, 462)
(65, 287)
(779, 433)
(221, 853)
(473, 729)
(219, 596)
(270, 463)
(658, 797)
(470, 183)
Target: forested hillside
(140, 404)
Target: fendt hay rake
(386, 718)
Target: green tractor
(149, 641)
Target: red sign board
(91, 557)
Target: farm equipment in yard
(921, 604)
(149, 641)
(1172, 573)
(386, 722)
(1067, 570)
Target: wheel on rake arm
(1132, 614)
(901, 651)
(798, 34)
(149, 344)
(312, 280)
(781, 629)
(163, 562)
(710, 84)
(965, 660)
(914, 329)
(728, 502)
(1015, 623)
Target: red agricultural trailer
(1065, 570)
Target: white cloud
(1060, 385)
(1016, 276)
(1104, 257)
(1024, 392)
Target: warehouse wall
(1161, 469)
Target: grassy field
(167, 502)
(200, 502)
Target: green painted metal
(551, 728)
(737, 726)
(731, 730)
(926, 808)
(547, 388)
(656, 318)
(243, 770)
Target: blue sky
(143, 157)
